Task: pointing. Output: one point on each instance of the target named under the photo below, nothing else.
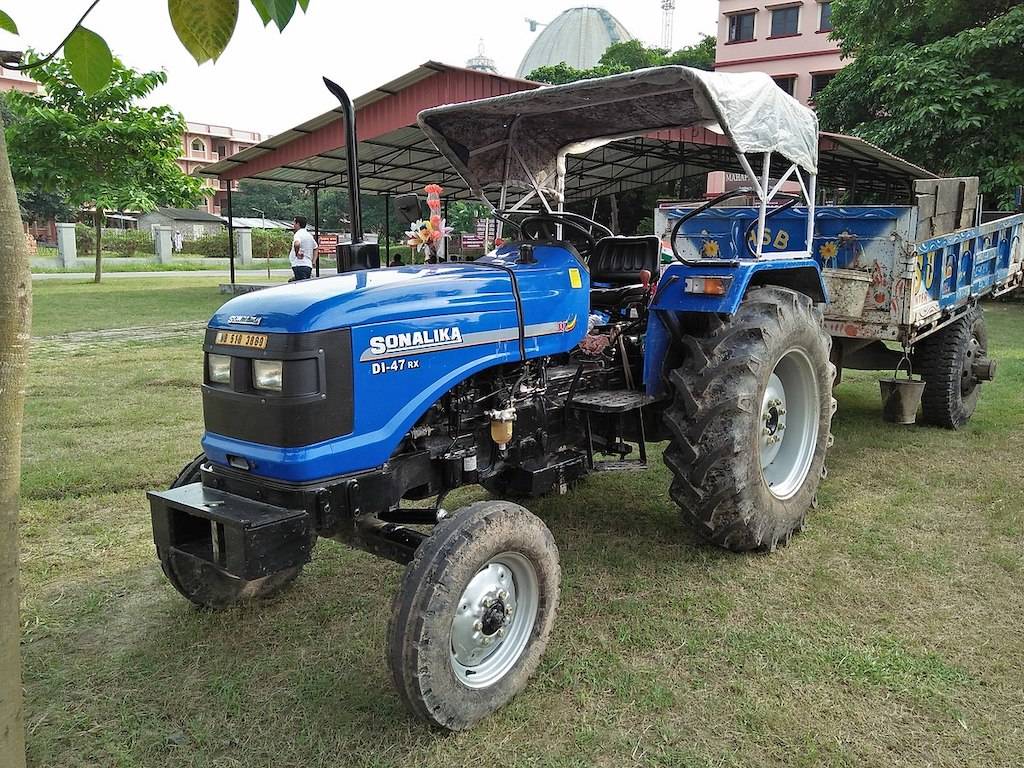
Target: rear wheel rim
(788, 424)
(974, 351)
(494, 620)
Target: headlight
(219, 368)
(267, 374)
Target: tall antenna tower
(668, 9)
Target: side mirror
(408, 208)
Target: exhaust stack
(355, 254)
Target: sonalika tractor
(330, 405)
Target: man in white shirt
(303, 256)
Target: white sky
(268, 82)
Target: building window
(786, 83)
(786, 21)
(222, 151)
(741, 27)
(825, 20)
(198, 145)
(819, 81)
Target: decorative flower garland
(425, 235)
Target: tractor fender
(671, 298)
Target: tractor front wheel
(474, 612)
(207, 586)
(750, 421)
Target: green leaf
(263, 9)
(89, 60)
(304, 5)
(204, 27)
(7, 23)
(280, 11)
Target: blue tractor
(331, 405)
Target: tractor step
(610, 401)
(620, 466)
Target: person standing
(303, 256)
(178, 241)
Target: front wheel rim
(494, 620)
(788, 424)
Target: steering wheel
(541, 226)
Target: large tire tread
(711, 422)
(938, 359)
(433, 582)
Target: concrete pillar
(164, 247)
(67, 249)
(243, 245)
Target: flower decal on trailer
(829, 250)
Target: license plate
(236, 339)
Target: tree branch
(45, 59)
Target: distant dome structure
(579, 36)
(482, 62)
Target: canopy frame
(701, 97)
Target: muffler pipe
(352, 157)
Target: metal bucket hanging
(901, 397)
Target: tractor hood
(357, 298)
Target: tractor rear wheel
(750, 421)
(474, 612)
(207, 586)
(947, 361)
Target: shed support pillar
(316, 226)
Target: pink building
(204, 144)
(787, 40)
(12, 80)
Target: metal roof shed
(395, 156)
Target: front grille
(316, 401)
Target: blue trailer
(893, 288)
(332, 406)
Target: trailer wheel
(474, 613)
(946, 361)
(750, 421)
(208, 587)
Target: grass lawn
(63, 306)
(888, 633)
(184, 263)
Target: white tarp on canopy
(513, 138)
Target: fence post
(162, 242)
(67, 248)
(243, 244)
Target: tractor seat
(615, 264)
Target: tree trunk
(614, 203)
(98, 217)
(15, 325)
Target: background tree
(101, 149)
(205, 28)
(462, 216)
(629, 56)
(940, 82)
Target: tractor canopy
(521, 140)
